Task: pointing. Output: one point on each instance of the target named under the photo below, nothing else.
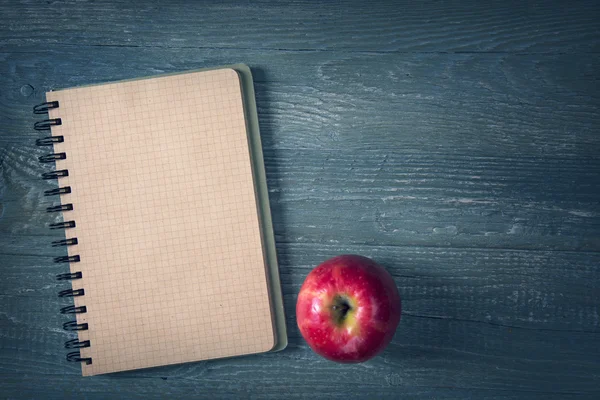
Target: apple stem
(340, 309)
(343, 308)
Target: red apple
(348, 309)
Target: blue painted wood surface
(457, 144)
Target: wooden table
(457, 144)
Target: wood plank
(68, 386)
(384, 187)
(400, 198)
(389, 198)
(491, 105)
(528, 290)
(473, 319)
(375, 26)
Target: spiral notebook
(169, 247)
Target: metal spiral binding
(64, 242)
(49, 141)
(67, 259)
(46, 125)
(55, 174)
(48, 158)
(62, 207)
(54, 192)
(71, 293)
(70, 276)
(43, 108)
(73, 310)
(76, 344)
(75, 356)
(62, 225)
(74, 326)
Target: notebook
(169, 246)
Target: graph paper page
(166, 221)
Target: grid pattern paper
(167, 221)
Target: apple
(348, 309)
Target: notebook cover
(173, 224)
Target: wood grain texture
(455, 143)
(379, 26)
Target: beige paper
(167, 223)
